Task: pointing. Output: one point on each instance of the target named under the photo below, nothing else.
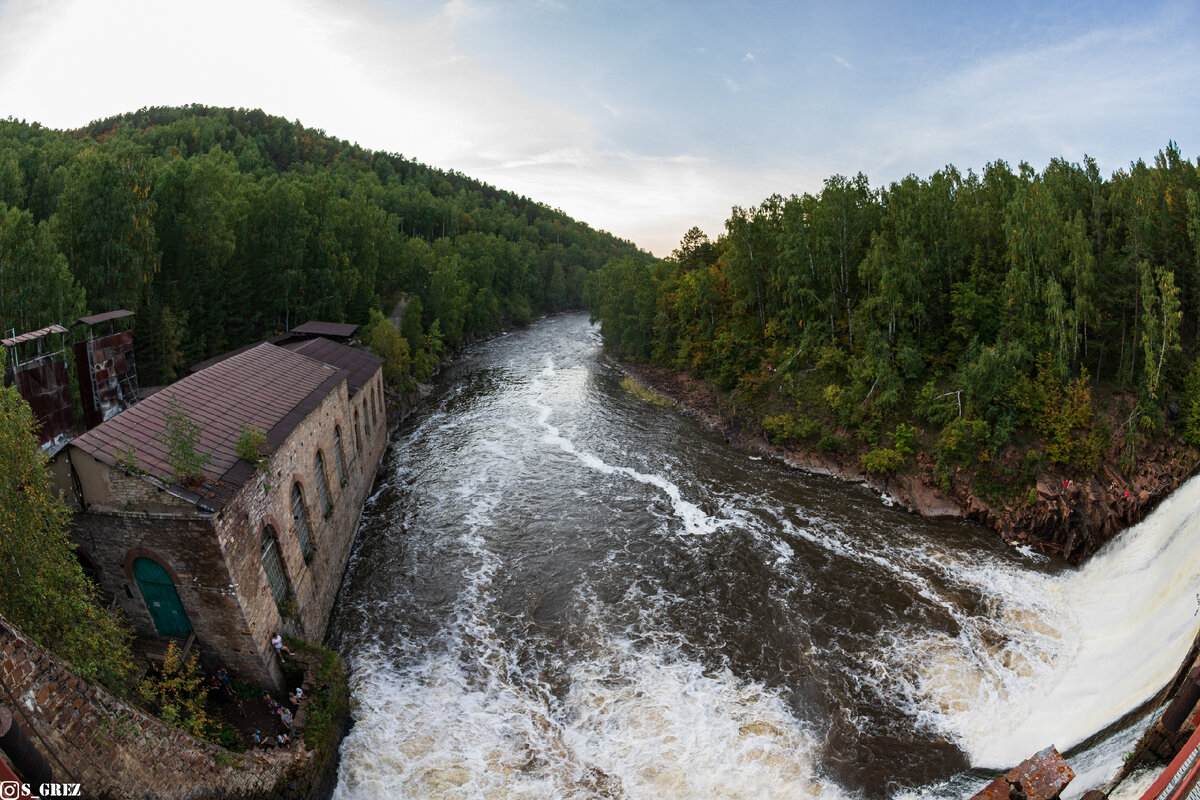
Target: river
(562, 591)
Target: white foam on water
(1057, 658)
(638, 721)
(1099, 764)
(370, 501)
(695, 520)
(1028, 551)
(894, 562)
(669, 729)
(1136, 785)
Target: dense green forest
(983, 310)
(219, 227)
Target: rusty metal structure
(36, 364)
(104, 361)
(1181, 778)
(1042, 776)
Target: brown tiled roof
(266, 386)
(208, 362)
(32, 335)
(360, 364)
(337, 330)
(105, 317)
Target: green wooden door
(158, 590)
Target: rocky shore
(1070, 517)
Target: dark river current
(562, 591)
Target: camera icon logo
(12, 790)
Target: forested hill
(221, 226)
(1057, 310)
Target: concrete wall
(111, 749)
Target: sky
(639, 117)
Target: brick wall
(111, 749)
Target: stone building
(245, 551)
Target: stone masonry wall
(187, 547)
(215, 560)
(266, 500)
(113, 750)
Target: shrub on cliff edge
(43, 589)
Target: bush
(127, 460)
(833, 396)
(785, 427)
(229, 738)
(960, 443)
(1191, 407)
(330, 701)
(905, 437)
(382, 337)
(830, 443)
(935, 406)
(868, 431)
(181, 435)
(252, 446)
(1033, 463)
(1061, 414)
(177, 693)
(882, 461)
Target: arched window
(374, 420)
(382, 404)
(357, 433)
(341, 460)
(300, 515)
(276, 578)
(322, 483)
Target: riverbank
(1069, 516)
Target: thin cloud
(843, 62)
(652, 200)
(1080, 96)
(456, 12)
(567, 156)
